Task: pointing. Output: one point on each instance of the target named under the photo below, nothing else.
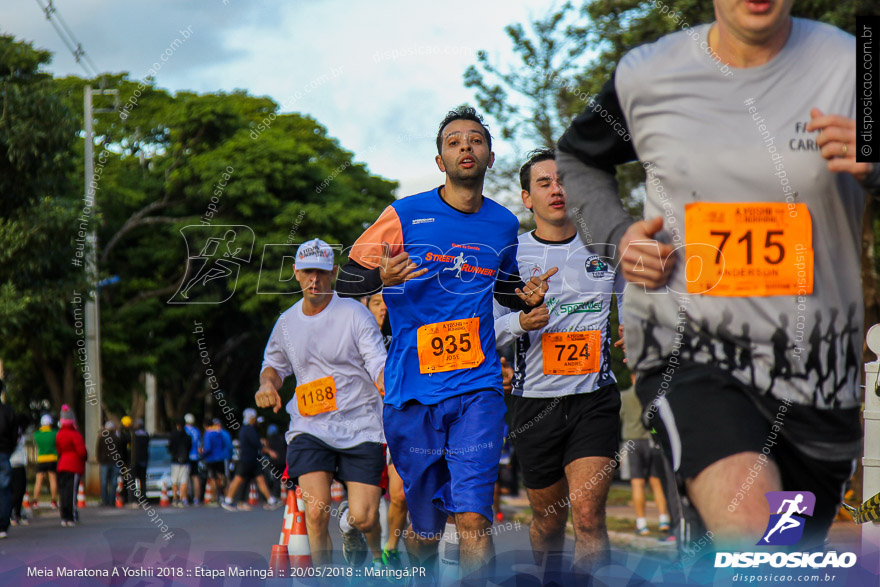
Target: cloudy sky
(379, 75)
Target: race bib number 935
(448, 346)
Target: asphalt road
(204, 539)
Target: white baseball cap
(314, 254)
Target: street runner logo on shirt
(459, 263)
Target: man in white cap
(334, 348)
(250, 450)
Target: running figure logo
(786, 526)
(457, 265)
(212, 274)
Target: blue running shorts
(447, 455)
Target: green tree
(159, 159)
(38, 214)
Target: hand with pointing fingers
(535, 288)
(396, 270)
(644, 259)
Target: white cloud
(399, 65)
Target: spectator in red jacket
(72, 455)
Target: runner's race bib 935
(448, 346)
(749, 249)
(316, 397)
(571, 353)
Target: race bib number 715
(749, 249)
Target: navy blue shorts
(362, 463)
(447, 455)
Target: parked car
(158, 467)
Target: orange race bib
(447, 346)
(316, 397)
(571, 353)
(749, 249)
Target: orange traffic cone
(81, 497)
(279, 560)
(284, 492)
(26, 500)
(252, 495)
(119, 502)
(298, 545)
(209, 494)
(163, 497)
(337, 491)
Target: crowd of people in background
(202, 462)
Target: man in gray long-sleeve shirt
(747, 328)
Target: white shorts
(179, 474)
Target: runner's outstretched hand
(396, 270)
(533, 293)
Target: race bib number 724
(571, 353)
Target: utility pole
(93, 322)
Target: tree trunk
(50, 377)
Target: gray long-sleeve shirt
(737, 137)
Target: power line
(67, 36)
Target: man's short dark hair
(462, 113)
(533, 158)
